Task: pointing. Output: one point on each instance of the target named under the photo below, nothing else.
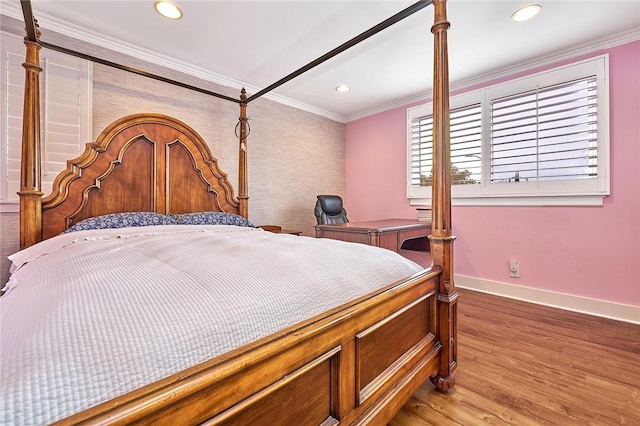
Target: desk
(278, 230)
(388, 233)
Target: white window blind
(421, 150)
(546, 134)
(541, 139)
(65, 96)
(465, 138)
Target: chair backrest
(329, 210)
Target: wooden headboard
(141, 162)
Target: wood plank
(527, 364)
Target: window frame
(565, 192)
(460, 101)
(14, 45)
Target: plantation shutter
(546, 134)
(65, 83)
(465, 138)
(421, 150)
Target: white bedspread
(91, 315)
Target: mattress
(91, 315)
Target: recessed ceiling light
(343, 88)
(526, 12)
(168, 9)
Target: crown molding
(11, 10)
(420, 97)
(562, 55)
(88, 36)
(68, 29)
(584, 49)
(304, 107)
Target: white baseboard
(600, 308)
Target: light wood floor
(525, 364)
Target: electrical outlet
(514, 269)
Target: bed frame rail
(357, 365)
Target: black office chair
(329, 210)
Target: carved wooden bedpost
(243, 195)
(441, 236)
(30, 187)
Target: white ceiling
(255, 43)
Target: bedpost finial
(243, 95)
(36, 28)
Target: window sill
(519, 201)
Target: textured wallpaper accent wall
(293, 155)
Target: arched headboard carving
(141, 162)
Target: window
(465, 139)
(548, 134)
(541, 139)
(65, 84)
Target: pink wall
(591, 252)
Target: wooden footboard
(357, 364)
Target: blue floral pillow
(210, 218)
(120, 220)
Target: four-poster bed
(356, 363)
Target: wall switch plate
(514, 269)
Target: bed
(354, 359)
